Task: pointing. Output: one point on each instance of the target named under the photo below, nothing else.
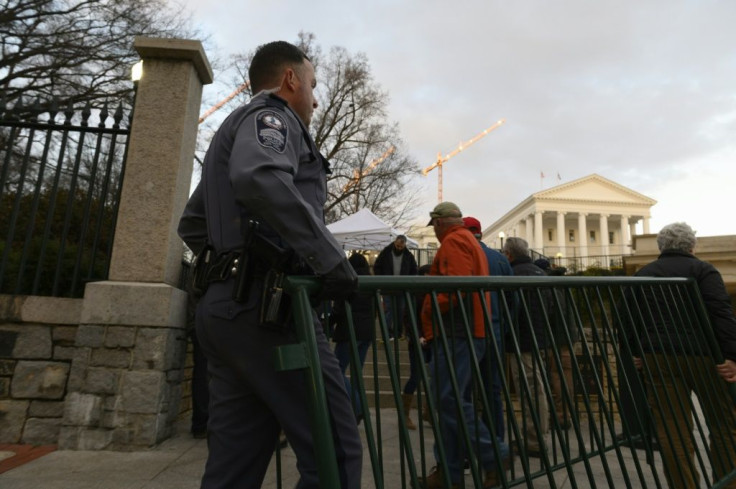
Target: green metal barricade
(599, 421)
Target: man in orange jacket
(460, 254)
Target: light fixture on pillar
(559, 258)
(136, 72)
(501, 235)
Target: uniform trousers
(200, 386)
(250, 402)
(674, 379)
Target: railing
(600, 428)
(60, 182)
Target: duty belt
(222, 267)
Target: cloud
(640, 93)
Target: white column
(646, 224)
(625, 238)
(583, 238)
(529, 235)
(561, 234)
(632, 229)
(604, 239)
(538, 232)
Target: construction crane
(358, 175)
(222, 102)
(442, 159)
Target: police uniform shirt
(263, 164)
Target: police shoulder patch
(271, 130)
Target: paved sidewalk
(178, 463)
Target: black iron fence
(60, 182)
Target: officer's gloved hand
(340, 283)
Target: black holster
(261, 256)
(198, 284)
(275, 305)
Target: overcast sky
(642, 93)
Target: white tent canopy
(365, 231)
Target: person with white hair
(680, 361)
(529, 334)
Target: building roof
(590, 192)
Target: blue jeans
(396, 312)
(411, 383)
(342, 352)
(493, 380)
(480, 438)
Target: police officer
(263, 166)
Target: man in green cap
(459, 255)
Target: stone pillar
(529, 235)
(604, 240)
(561, 234)
(625, 239)
(583, 239)
(125, 379)
(646, 225)
(538, 232)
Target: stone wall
(37, 336)
(125, 380)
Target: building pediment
(593, 188)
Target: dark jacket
(563, 317)
(384, 264)
(675, 263)
(364, 322)
(530, 311)
(498, 265)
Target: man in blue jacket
(498, 265)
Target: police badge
(271, 130)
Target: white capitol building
(587, 221)
(590, 221)
(591, 218)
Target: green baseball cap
(444, 209)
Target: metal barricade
(601, 423)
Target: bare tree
(370, 167)
(77, 50)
